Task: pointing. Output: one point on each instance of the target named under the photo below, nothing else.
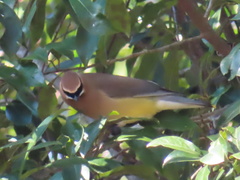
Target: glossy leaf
(180, 156)
(89, 15)
(177, 143)
(216, 152)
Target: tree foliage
(187, 46)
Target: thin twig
(209, 8)
(134, 55)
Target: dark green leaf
(32, 74)
(28, 99)
(91, 132)
(64, 47)
(229, 113)
(12, 77)
(175, 121)
(13, 30)
(86, 44)
(18, 113)
(47, 101)
(39, 54)
(147, 66)
(118, 15)
(103, 164)
(37, 24)
(231, 63)
(57, 16)
(89, 15)
(63, 163)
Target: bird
(96, 95)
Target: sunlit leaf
(177, 143)
(216, 152)
(180, 156)
(203, 173)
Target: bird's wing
(118, 86)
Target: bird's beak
(75, 98)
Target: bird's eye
(75, 94)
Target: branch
(134, 55)
(202, 24)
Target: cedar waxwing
(97, 95)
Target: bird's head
(71, 85)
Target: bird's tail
(179, 102)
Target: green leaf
(147, 66)
(36, 135)
(76, 132)
(91, 133)
(229, 113)
(57, 16)
(13, 30)
(177, 143)
(64, 47)
(32, 74)
(12, 77)
(63, 163)
(175, 121)
(180, 156)
(89, 15)
(18, 142)
(142, 171)
(236, 156)
(18, 113)
(216, 152)
(236, 17)
(236, 137)
(203, 173)
(231, 63)
(37, 23)
(118, 15)
(171, 70)
(86, 44)
(103, 164)
(28, 99)
(47, 101)
(39, 54)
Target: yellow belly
(134, 107)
